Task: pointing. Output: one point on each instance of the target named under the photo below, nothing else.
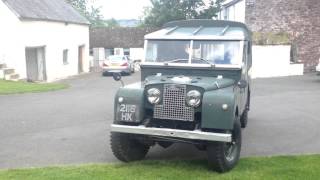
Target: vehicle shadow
(178, 151)
(110, 74)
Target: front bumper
(172, 133)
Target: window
(217, 52)
(126, 51)
(171, 50)
(226, 14)
(201, 52)
(65, 56)
(107, 53)
(117, 58)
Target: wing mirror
(242, 84)
(117, 77)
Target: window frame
(65, 56)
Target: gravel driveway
(72, 126)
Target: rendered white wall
(56, 37)
(236, 12)
(273, 61)
(99, 57)
(240, 11)
(16, 35)
(137, 53)
(11, 48)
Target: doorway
(36, 64)
(80, 58)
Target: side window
(249, 54)
(65, 56)
(245, 50)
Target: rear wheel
(126, 148)
(222, 156)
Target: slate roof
(46, 10)
(119, 37)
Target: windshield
(116, 58)
(162, 51)
(196, 52)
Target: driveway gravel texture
(72, 126)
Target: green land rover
(195, 88)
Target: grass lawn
(283, 167)
(10, 87)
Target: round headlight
(153, 95)
(193, 98)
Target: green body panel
(216, 92)
(206, 83)
(147, 71)
(213, 116)
(132, 94)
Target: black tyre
(104, 73)
(244, 119)
(223, 157)
(127, 149)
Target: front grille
(174, 106)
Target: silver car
(118, 63)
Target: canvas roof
(202, 29)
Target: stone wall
(299, 18)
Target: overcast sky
(121, 9)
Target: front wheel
(126, 148)
(223, 156)
(244, 119)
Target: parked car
(118, 63)
(318, 68)
(195, 88)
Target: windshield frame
(189, 63)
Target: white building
(42, 40)
(233, 10)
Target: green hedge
(280, 38)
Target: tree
(111, 23)
(211, 11)
(92, 14)
(80, 5)
(163, 11)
